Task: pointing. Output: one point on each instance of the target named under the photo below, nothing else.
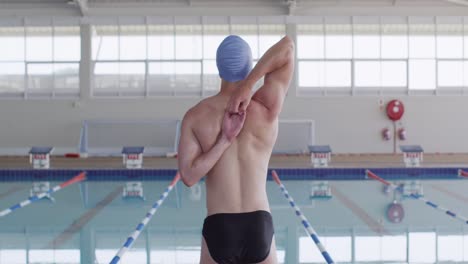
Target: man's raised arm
(193, 162)
(277, 66)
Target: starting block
(39, 157)
(41, 187)
(412, 155)
(320, 155)
(411, 188)
(133, 191)
(320, 191)
(133, 157)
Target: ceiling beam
(83, 5)
(458, 2)
(291, 4)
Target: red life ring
(395, 212)
(395, 110)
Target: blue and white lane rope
(427, 202)
(128, 244)
(77, 178)
(309, 229)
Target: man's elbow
(289, 45)
(186, 178)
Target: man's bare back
(237, 181)
(229, 138)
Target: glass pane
(394, 73)
(449, 41)
(422, 74)
(161, 77)
(67, 44)
(133, 42)
(380, 73)
(310, 42)
(269, 36)
(188, 42)
(132, 75)
(66, 76)
(187, 256)
(422, 247)
(465, 248)
(39, 43)
(134, 256)
(187, 78)
(213, 35)
(311, 74)
(465, 73)
(104, 255)
(450, 248)
(366, 41)
(106, 43)
(161, 42)
(67, 256)
(267, 41)
(124, 75)
(310, 47)
(12, 77)
(394, 41)
(422, 41)
(280, 255)
(340, 246)
(422, 47)
(40, 76)
(211, 80)
(367, 73)
(12, 39)
(367, 248)
(450, 73)
(394, 47)
(465, 41)
(41, 256)
(250, 34)
(106, 75)
(13, 256)
(394, 248)
(308, 251)
(338, 41)
(325, 73)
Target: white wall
(349, 124)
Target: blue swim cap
(234, 59)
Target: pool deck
(277, 161)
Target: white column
(85, 63)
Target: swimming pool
(91, 219)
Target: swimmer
(229, 138)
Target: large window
(39, 61)
(168, 59)
(448, 246)
(380, 248)
(339, 245)
(176, 56)
(422, 247)
(382, 55)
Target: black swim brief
(239, 237)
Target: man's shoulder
(202, 108)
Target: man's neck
(227, 88)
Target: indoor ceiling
(240, 7)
